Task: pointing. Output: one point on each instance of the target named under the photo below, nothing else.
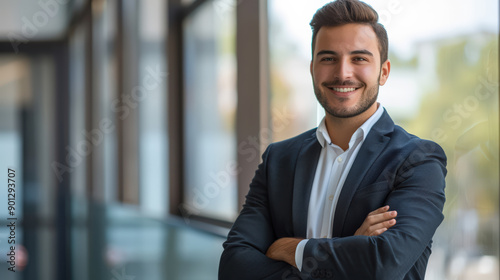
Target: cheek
(368, 74)
(321, 74)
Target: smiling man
(355, 198)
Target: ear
(384, 72)
(311, 68)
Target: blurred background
(130, 130)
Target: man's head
(342, 12)
(349, 60)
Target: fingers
(380, 228)
(378, 218)
(377, 222)
(378, 232)
(380, 210)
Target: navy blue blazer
(392, 168)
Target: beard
(368, 97)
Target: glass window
(152, 113)
(24, 21)
(105, 100)
(443, 86)
(27, 137)
(294, 108)
(44, 87)
(210, 106)
(15, 91)
(78, 88)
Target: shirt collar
(324, 138)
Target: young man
(318, 206)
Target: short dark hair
(342, 12)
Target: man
(318, 206)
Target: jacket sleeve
(418, 196)
(244, 255)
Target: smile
(343, 89)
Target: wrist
(283, 249)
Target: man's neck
(341, 130)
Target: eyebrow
(366, 52)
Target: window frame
(252, 113)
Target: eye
(328, 59)
(360, 59)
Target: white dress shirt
(333, 166)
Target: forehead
(347, 37)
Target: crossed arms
(376, 250)
(376, 223)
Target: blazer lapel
(305, 169)
(373, 145)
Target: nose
(344, 70)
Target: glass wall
(294, 108)
(26, 21)
(209, 112)
(105, 99)
(27, 141)
(116, 56)
(443, 86)
(153, 141)
(78, 176)
(15, 88)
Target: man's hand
(377, 222)
(283, 249)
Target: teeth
(344, 89)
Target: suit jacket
(392, 168)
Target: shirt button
(330, 197)
(339, 159)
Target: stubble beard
(368, 98)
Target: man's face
(346, 69)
